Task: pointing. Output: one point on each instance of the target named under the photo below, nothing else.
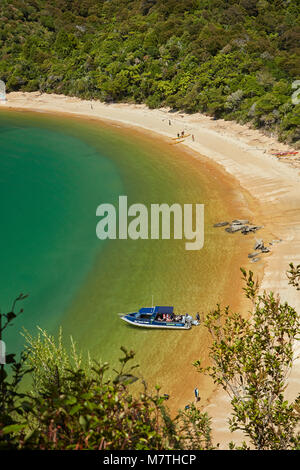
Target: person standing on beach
(196, 391)
(193, 137)
(169, 122)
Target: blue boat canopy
(164, 310)
(156, 310)
(146, 310)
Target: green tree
(11, 400)
(251, 360)
(294, 275)
(177, 48)
(83, 404)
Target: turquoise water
(50, 186)
(54, 172)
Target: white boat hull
(163, 327)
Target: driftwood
(234, 228)
(239, 225)
(243, 226)
(244, 229)
(259, 244)
(221, 224)
(250, 228)
(239, 222)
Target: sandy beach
(243, 153)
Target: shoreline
(245, 155)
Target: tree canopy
(231, 59)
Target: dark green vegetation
(231, 59)
(80, 404)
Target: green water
(54, 172)
(50, 185)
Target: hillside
(231, 59)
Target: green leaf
(13, 428)
(125, 379)
(74, 409)
(26, 406)
(10, 359)
(70, 401)
(83, 422)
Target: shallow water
(54, 172)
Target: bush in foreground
(251, 360)
(82, 404)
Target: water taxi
(159, 317)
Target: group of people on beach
(182, 135)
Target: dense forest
(232, 59)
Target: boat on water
(159, 317)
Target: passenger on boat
(165, 317)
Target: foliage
(11, 405)
(96, 413)
(230, 59)
(76, 406)
(294, 275)
(77, 403)
(82, 404)
(49, 359)
(251, 360)
(195, 429)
